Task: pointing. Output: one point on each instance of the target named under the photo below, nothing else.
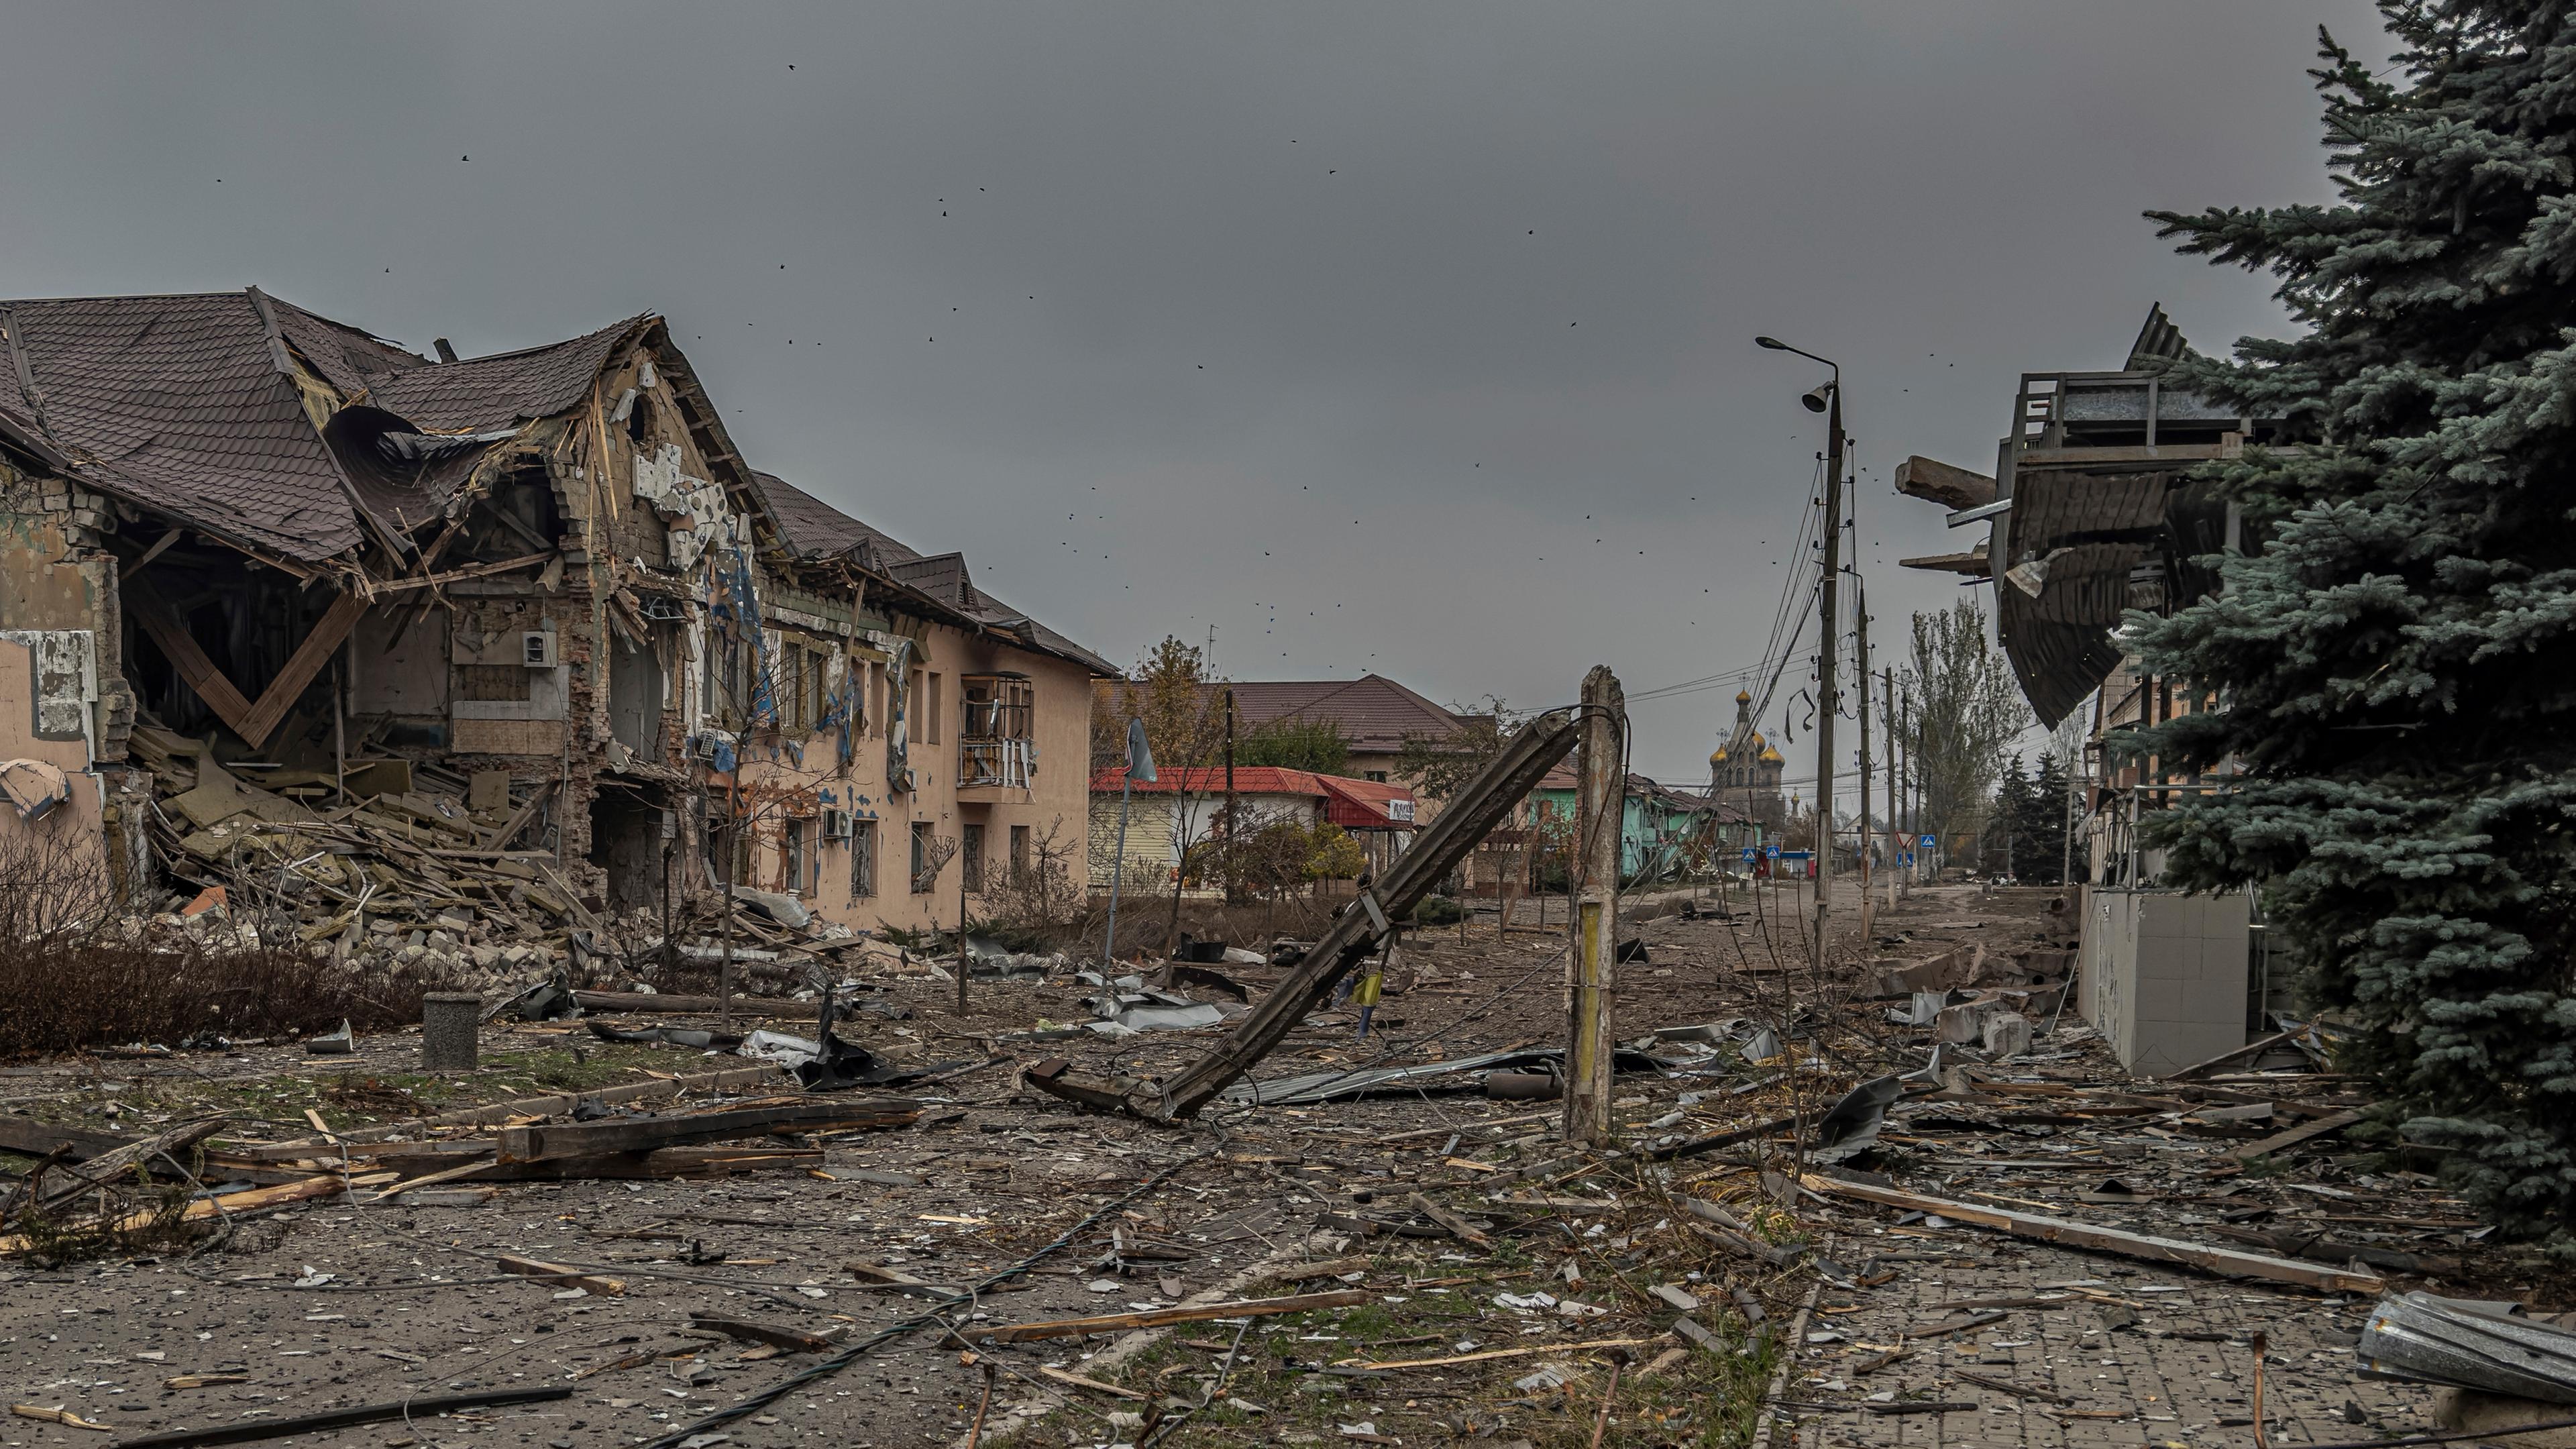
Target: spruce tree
(2394, 669)
(2048, 823)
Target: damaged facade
(537, 596)
(2092, 512)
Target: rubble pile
(424, 869)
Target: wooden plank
(469, 571)
(40, 1139)
(1157, 1318)
(1938, 482)
(558, 1273)
(1330, 1268)
(2225, 1261)
(2253, 1048)
(644, 1134)
(1094, 1385)
(445, 1175)
(1457, 1226)
(2305, 1132)
(67, 1183)
(307, 661)
(197, 671)
(519, 818)
(792, 1340)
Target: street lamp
(1826, 399)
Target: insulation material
(694, 508)
(66, 667)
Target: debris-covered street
(853, 1281)
(1123, 726)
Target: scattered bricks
(450, 1023)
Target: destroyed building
(532, 608)
(2093, 511)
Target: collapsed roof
(301, 439)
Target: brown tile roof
(1374, 712)
(814, 529)
(178, 403)
(504, 389)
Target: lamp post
(1828, 400)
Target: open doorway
(626, 842)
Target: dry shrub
(74, 975)
(67, 996)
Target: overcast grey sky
(1411, 337)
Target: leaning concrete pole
(1599, 811)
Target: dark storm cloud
(1344, 330)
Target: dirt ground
(355, 1300)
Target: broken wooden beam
(2225, 1261)
(789, 1340)
(2307, 1131)
(319, 645)
(66, 1183)
(644, 1134)
(1457, 1226)
(1938, 482)
(1471, 814)
(519, 1267)
(41, 1139)
(1157, 1318)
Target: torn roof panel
(177, 402)
(349, 358)
(506, 388)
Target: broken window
(995, 742)
(863, 859)
(800, 856)
(972, 852)
(930, 712)
(1020, 855)
(922, 879)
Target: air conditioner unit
(537, 649)
(836, 825)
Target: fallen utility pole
(1437, 848)
(2225, 1261)
(1600, 808)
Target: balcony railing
(1007, 763)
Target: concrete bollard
(451, 1024)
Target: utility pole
(1600, 799)
(1828, 702)
(1895, 813)
(1828, 400)
(1232, 893)
(1860, 645)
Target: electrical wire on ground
(860, 1348)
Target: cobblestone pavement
(2140, 1354)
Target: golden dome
(1719, 757)
(1770, 756)
(1744, 696)
(1756, 739)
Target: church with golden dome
(1745, 771)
